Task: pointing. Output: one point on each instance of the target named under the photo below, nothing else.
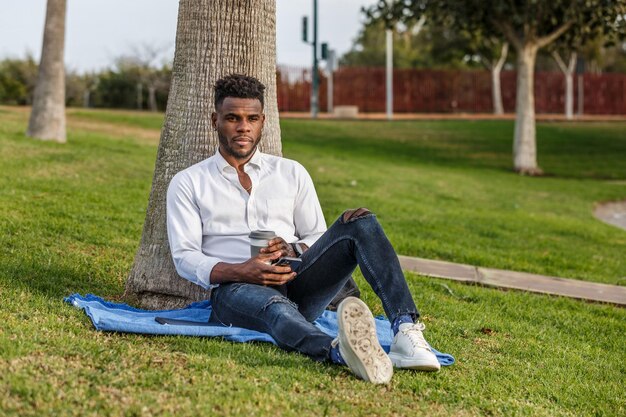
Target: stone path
(613, 213)
(583, 290)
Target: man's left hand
(279, 245)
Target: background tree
(47, 119)
(17, 80)
(117, 87)
(430, 47)
(441, 44)
(528, 26)
(158, 81)
(78, 88)
(214, 38)
(143, 62)
(608, 59)
(492, 52)
(569, 47)
(567, 68)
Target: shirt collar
(256, 161)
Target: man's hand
(355, 213)
(257, 270)
(278, 245)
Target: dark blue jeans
(287, 312)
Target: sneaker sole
(425, 364)
(359, 345)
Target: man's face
(239, 122)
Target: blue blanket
(114, 317)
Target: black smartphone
(294, 263)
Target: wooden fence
(435, 91)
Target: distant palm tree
(47, 119)
(214, 38)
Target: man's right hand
(257, 270)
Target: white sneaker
(411, 351)
(358, 343)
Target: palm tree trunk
(214, 38)
(525, 143)
(47, 119)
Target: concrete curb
(583, 290)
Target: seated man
(214, 205)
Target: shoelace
(414, 333)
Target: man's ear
(214, 120)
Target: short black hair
(238, 86)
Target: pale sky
(97, 31)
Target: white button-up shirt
(210, 215)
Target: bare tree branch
(419, 25)
(508, 32)
(572, 62)
(559, 61)
(503, 53)
(545, 40)
(487, 63)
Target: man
(214, 205)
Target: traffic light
(325, 50)
(305, 29)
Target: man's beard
(238, 154)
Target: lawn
(71, 218)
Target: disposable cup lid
(262, 234)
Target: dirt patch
(613, 213)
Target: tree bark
(47, 118)
(568, 73)
(526, 45)
(496, 89)
(139, 96)
(525, 144)
(214, 38)
(569, 95)
(152, 103)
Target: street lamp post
(315, 78)
(314, 75)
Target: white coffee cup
(259, 239)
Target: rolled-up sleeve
(184, 231)
(308, 217)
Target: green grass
(123, 117)
(71, 218)
(445, 190)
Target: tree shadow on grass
(54, 280)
